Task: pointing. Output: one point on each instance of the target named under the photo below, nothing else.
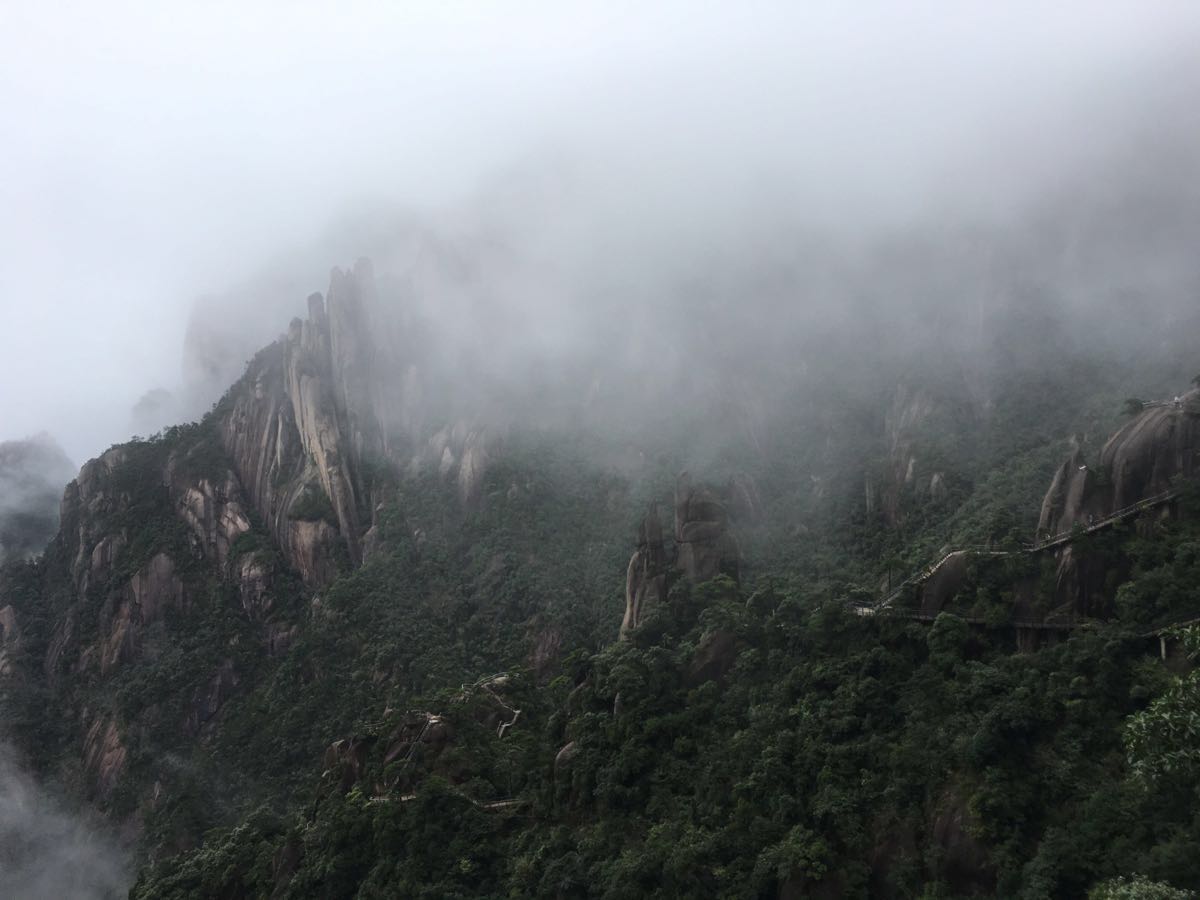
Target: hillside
(379, 647)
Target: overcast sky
(152, 152)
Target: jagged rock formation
(705, 545)
(316, 417)
(296, 459)
(461, 454)
(1139, 461)
(148, 531)
(646, 577)
(907, 423)
(214, 510)
(301, 425)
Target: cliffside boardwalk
(1047, 543)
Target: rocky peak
(303, 421)
(1140, 460)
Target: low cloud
(47, 852)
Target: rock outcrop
(461, 455)
(646, 577)
(705, 544)
(88, 507)
(1141, 460)
(10, 638)
(944, 582)
(908, 423)
(292, 452)
(319, 413)
(213, 509)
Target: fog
(48, 851)
(592, 166)
(669, 213)
(32, 474)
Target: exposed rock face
(714, 657)
(646, 578)
(10, 636)
(127, 567)
(87, 504)
(215, 512)
(1075, 495)
(707, 546)
(254, 577)
(461, 454)
(944, 582)
(301, 448)
(141, 603)
(907, 419)
(1161, 443)
(1137, 462)
(316, 414)
(564, 758)
(104, 754)
(321, 410)
(208, 699)
(963, 861)
(288, 448)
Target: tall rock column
(706, 545)
(312, 388)
(646, 578)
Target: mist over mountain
(33, 473)
(600, 452)
(46, 850)
(764, 160)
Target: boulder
(1140, 461)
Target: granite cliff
(1139, 461)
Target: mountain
(375, 618)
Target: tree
(1136, 888)
(1134, 405)
(1164, 739)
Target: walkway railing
(1046, 543)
